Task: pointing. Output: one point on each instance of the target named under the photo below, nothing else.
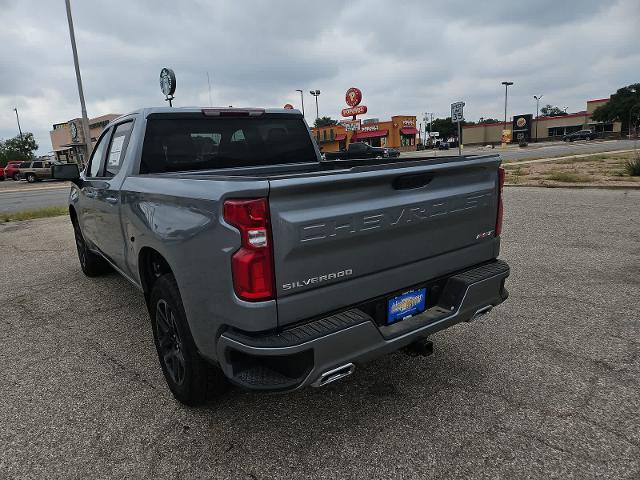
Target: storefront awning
(340, 137)
(409, 130)
(372, 134)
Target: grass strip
(35, 213)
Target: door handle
(112, 200)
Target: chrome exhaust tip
(331, 376)
(481, 312)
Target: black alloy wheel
(191, 379)
(170, 345)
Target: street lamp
(537, 97)
(18, 120)
(316, 93)
(506, 86)
(301, 99)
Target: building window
(560, 131)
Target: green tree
(619, 107)
(325, 122)
(444, 127)
(551, 111)
(488, 120)
(18, 148)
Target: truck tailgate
(345, 237)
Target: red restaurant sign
(353, 96)
(359, 110)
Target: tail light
(500, 201)
(252, 264)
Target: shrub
(632, 167)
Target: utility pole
(537, 97)
(209, 83)
(18, 120)
(85, 120)
(301, 99)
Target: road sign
(457, 116)
(457, 112)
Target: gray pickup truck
(267, 267)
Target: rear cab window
(198, 142)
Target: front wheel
(190, 378)
(31, 177)
(92, 265)
(16, 177)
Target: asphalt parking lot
(546, 387)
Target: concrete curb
(567, 157)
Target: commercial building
(399, 132)
(67, 139)
(548, 128)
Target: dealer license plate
(406, 305)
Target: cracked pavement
(547, 386)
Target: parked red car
(1, 173)
(12, 170)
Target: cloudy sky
(407, 56)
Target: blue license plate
(405, 305)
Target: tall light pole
(316, 93)
(301, 99)
(18, 120)
(85, 119)
(506, 87)
(537, 97)
(426, 119)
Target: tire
(191, 379)
(31, 177)
(92, 265)
(2, 178)
(16, 177)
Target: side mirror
(66, 171)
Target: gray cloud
(407, 57)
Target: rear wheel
(190, 378)
(16, 177)
(92, 265)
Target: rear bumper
(299, 356)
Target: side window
(97, 155)
(117, 148)
(37, 165)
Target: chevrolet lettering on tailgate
(393, 217)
